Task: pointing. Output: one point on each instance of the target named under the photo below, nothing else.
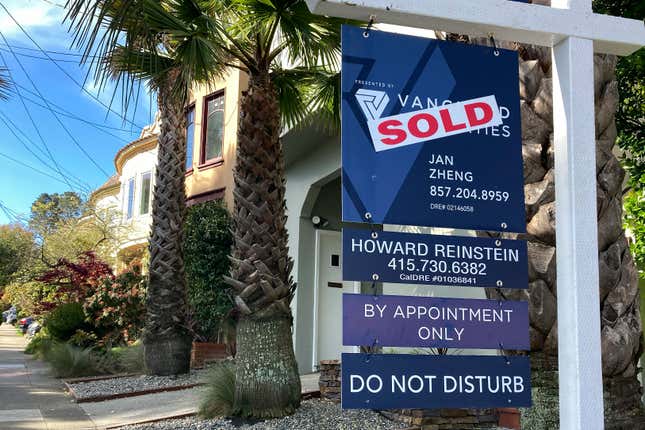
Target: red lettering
(447, 122)
(471, 113)
(413, 125)
(388, 128)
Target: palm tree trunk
(167, 341)
(621, 331)
(267, 381)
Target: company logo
(423, 125)
(372, 102)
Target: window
(130, 198)
(144, 202)
(190, 136)
(213, 132)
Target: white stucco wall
(138, 227)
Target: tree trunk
(167, 341)
(267, 381)
(621, 334)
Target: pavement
(30, 399)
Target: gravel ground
(130, 384)
(312, 415)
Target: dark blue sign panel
(391, 381)
(427, 259)
(433, 322)
(431, 133)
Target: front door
(328, 339)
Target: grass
(130, 359)
(69, 361)
(217, 400)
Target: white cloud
(30, 14)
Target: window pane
(144, 204)
(190, 137)
(130, 206)
(214, 128)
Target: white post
(579, 353)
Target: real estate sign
(434, 322)
(411, 258)
(392, 381)
(431, 133)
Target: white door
(328, 312)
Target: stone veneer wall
(418, 419)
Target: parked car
(33, 328)
(24, 323)
(10, 316)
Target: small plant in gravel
(217, 400)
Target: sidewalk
(29, 398)
(32, 400)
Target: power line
(25, 48)
(11, 214)
(31, 119)
(31, 167)
(67, 175)
(40, 58)
(61, 111)
(60, 122)
(109, 108)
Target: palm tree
(166, 44)
(4, 84)
(621, 331)
(262, 37)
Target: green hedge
(207, 245)
(63, 322)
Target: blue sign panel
(434, 259)
(390, 381)
(434, 322)
(431, 133)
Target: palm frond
(134, 40)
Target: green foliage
(40, 344)
(70, 361)
(17, 249)
(116, 307)
(63, 322)
(130, 359)
(217, 399)
(48, 211)
(83, 339)
(28, 296)
(207, 244)
(635, 223)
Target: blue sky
(42, 20)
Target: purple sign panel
(401, 381)
(435, 322)
(429, 259)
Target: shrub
(117, 307)
(65, 320)
(68, 361)
(28, 296)
(217, 400)
(83, 339)
(207, 245)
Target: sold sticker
(433, 123)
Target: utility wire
(59, 110)
(22, 54)
(33, 123)
(60, 122)
(25, 48)
(11, 214)
(12, 127)
(80, 85)
(31, 167)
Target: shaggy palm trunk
(166, 340)
(267, 380)
(621, 334)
